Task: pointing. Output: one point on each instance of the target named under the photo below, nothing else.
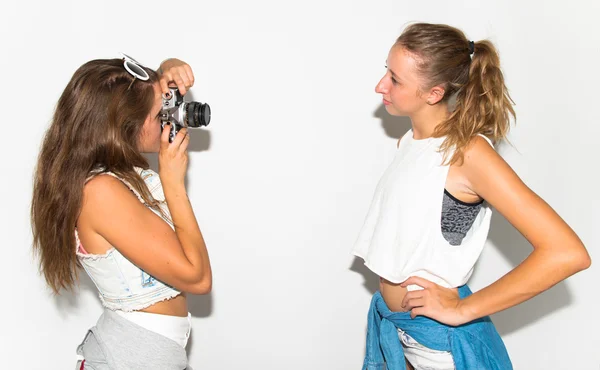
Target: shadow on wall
(371, 282)
(516, 248)
(68, 301)
(394, 126)
(199, 306)
(200, 140)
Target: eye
(394, 81)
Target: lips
(386, 102)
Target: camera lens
(198, 114)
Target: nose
(381, 87)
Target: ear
(436, 94)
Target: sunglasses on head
(134, 68)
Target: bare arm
(178, 258)
(557, 251)
(186, 227)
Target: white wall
(282, 179)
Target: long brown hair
(96, 127)
(483, 104)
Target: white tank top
(121, 284)
(402, 237)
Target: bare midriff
(392, 294)
(176, 306)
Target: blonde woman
(431, 212)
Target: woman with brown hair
(428, 221)
(97, 205)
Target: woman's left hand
(433, 301)
(178, 72)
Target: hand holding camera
(176, 117)
(180, 113)
(175, 71)
(174, 110)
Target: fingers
(184, 144)
(181, 80)
(190, 74)
(164, 136)
(420, 311)
(168, 77)
(415, 302)
(417, 294)
(180, 138)
(164, 85)
(182, 76)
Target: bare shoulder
(485, 171)
(104, 195)
(481, 159)
(479, 150)
(104, 188)
(103, 184)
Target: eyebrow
(393, 74)
(389, 69)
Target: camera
(182, 114)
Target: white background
(282, 179)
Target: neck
(426, 120)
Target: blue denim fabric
(474, 346)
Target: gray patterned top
(457, 218)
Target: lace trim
(136, 307)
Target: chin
(392, 110)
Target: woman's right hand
(176, 256)
(173, 157)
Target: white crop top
(402, 237)
(121, 284)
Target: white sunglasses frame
(126, 60)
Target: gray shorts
(116, 343)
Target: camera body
(181, 113)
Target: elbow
(202, 287)
(198, 280)
(202, 284)
(585, 262)
(580, 261)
